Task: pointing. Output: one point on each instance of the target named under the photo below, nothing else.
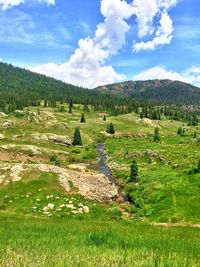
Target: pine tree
(198, 167)
(110, 128)
(104, 117)
(82, 118)
(156, 137)
(70, 106)
(77, 138)
(134, 171)
(180, 131)
(194, 134)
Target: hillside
(158, 91)
(55, 193)
(21, 88)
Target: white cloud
(147, 12)
(190, 75)
(5, 4)
(86, 67)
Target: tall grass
(44, 242)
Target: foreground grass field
(27, 241)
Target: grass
(45, 242)
(103, 237)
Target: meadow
(110, 234)
(34, 242)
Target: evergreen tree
(180, 131)
(110, 128)
(156, 137)
(70, 106)
(82, 118)
(134, 171)
(104, 117)
(77, 138)
(198, 167)
(194, 134)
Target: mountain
(21, 88)
(158, 91)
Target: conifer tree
(156, 137)
(104, 117)
(82, 118)
(70, 106)
(180, 131)
(194, 134)
(110, 128)
(134, 171)
(77, 138)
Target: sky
(96, 42)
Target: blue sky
(95, 42)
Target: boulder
(60, 140)
(2, 114)
(2, 137)
(7, 124)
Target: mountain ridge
(164, 91)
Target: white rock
(51, 206)
(86, 209)
(70, 206)
(2, 136)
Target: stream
(103, 168)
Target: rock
(48, 207)
(70, 206)
(7, 124)
(2, 114)
(60, 140)
(2, 136)
(75, 212)
(40, 137)
(33, 150)
(19, 113)
(62, 206)
(85, 209)
(65, 125)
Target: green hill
(158, 91)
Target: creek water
(103, 168)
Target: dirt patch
(21, 157)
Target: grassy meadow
(35, 242)
(165, 193)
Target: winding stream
(103, 168)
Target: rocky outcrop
(7, 124)
(2, 136)
(57, 139)
(90, 185)
(60, 140)
(2, 114)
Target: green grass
(37, 242)
(166, 192)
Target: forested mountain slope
(159, 91)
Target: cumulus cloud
(191, 75)
(5, 4)
(147, 13)
(87, 66)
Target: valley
(102, 179)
